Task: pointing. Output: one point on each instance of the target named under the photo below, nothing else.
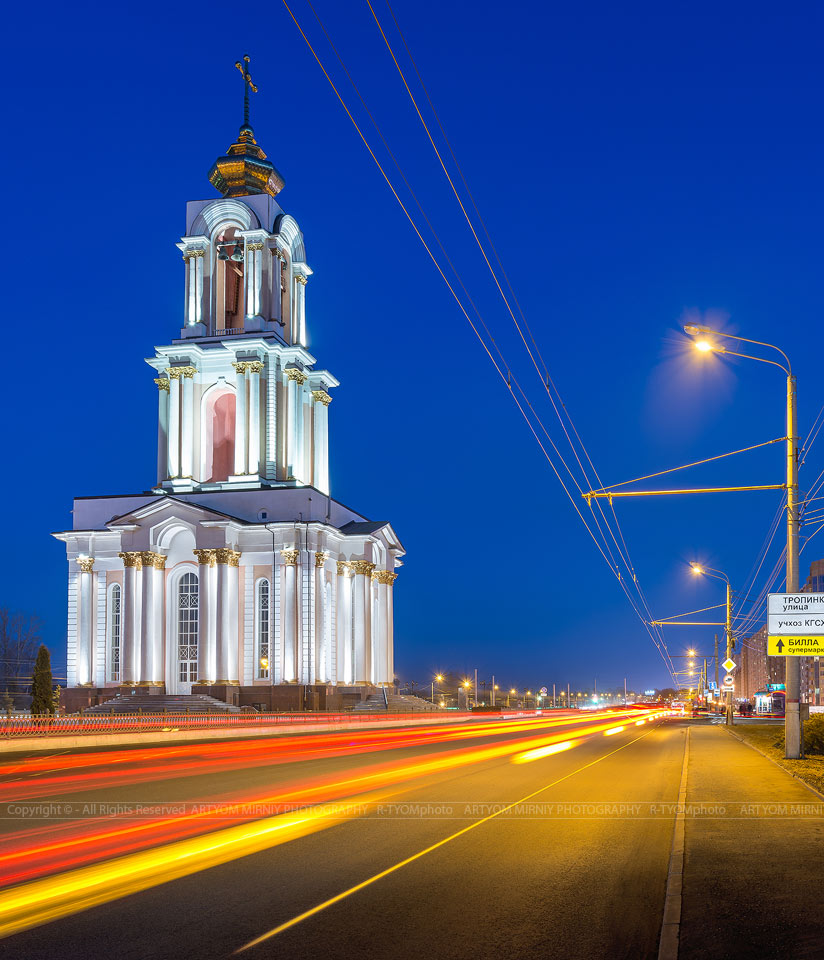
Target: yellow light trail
(542, 752)
(42, 901)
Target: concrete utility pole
(625, 691)
(792, 719)
(716, 661)
(730, 645)
(476, 684)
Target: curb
(772, 760)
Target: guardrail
(165, 722)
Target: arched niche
(217, 444)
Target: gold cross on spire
(247, 83)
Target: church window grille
(187, 625)
(263, 630)
(114, 632)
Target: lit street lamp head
(697, 568)
(704, 346)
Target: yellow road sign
(728, 664)
(795, 646)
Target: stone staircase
(165, 703)
(385, 702)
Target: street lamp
(439, 678)
(702, 571)
(792, 717)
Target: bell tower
(241, 404)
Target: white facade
(238, 568)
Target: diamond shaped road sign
(728, 665)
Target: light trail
(175, 853)
(83, 772)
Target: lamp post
(439, 678)
(701, 570)
(792, 716)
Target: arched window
(187, 628)
(229, 293)
(262, 630)
(113, 631)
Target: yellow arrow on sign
(795, 646)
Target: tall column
(232, 637)
(226, 615)
(255, 370)
(130, 617)
(240, 417)
(289, 615)
(85, 626)
(321, 671)
(343, 623)
(162, 428)
(151, 671)
(254, 256)
(300, 312)
(382, 580)
(206, 561)
(173, 457)
(199, 261)
(187, 442)
(390, 627)
(294, 416)
(320, 440)
(362, 607)
(158, 575)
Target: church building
(237, 575)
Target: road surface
(525, 839)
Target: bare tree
(19, 641)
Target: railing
(48, 726)
(228, 332)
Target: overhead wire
(508, 378)
(545, 380)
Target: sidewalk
(754, 856)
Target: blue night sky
(635, 167)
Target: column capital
(162, 383)
(148, 558)
(290, 557)
(363, 567)
(241, 366)
(321, 396)
(86, 564)
(384, 576)
(344, 568)
(255, 366)
(225, 555)
(205, 557)
(257, 245)
(189, 254)
(175, 373)
(320, 558)
(300, 279)
(293, 373)
(132, 558)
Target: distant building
(810, 670)
(756, 669)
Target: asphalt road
(577, 869)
